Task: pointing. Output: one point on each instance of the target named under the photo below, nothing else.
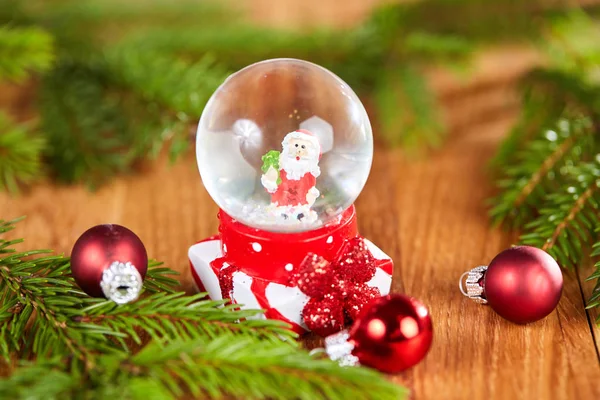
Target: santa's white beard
(296, 169)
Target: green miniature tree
(271, 160)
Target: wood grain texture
(429, 214)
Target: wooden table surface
(429, 214)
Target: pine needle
(538, 169)
(24, 51)
(247, 368)
(594, 300)
(567, 221)
(20, 155)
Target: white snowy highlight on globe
(248, 130)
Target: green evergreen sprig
(34, 281)
(252, 369)
(115, 112)
(566, 223)
(167, 317)
(20, 155)
(241, 367)
(67, 320)
(40, 380)
(407, 110)
(160, 279)
(89, 347)
(24, 51)
(537, 169)
(594, 300)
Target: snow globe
(284, 148)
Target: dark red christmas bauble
(523, 284)
(392, 333)
(105, 259)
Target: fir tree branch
(479, 18)
(168, 317)
(20, 155)
(537, 170)
(568, 218)
(202, 347)
(115, 112)
(594, 300)
(547, 95)
(78, 114)
(24, 51)
(247, 368)
(42, 380)
(43, 285)
(551, 190)
(241, 367)
(407, 110)
(161, 96)
(158, 278)
(74, 22)
(38, 293)
(33, 281)
(180, 86)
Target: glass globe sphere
(284, 145)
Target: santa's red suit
(293, 192)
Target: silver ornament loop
(121, 282)
(473, 289)
(339, 349)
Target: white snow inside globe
(284, 145)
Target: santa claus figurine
(290, 176)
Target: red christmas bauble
(523, 284)
(109, 261)
(392, 333)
